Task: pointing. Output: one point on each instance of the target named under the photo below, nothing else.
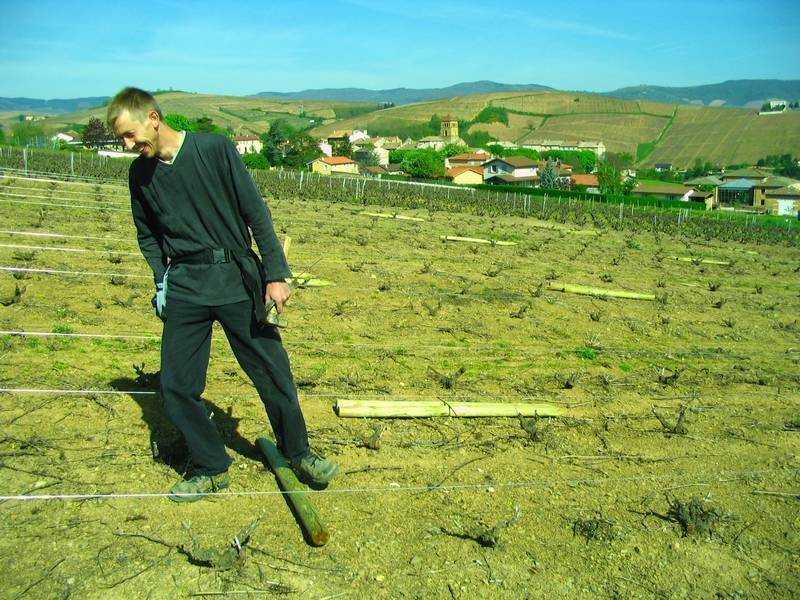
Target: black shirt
(204, 199)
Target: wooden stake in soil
(307, 516)
(598, 292)
(438, 408)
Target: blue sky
(91, 48)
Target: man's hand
(279, 292)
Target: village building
(391, 142)
(433, 142)
(465, 175)
(448, 135)
(395, 169)
(247, 143)
(588, 180)
(599, 148)
(68, 137)
(663, 167)
(783, 201)
(668, 191)
(518, 170)
(735, 192)
(766, 185)
(326, 165)
(362, 149)
(468, 159)
(754, 173)
(707, 180)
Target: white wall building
(247, 143)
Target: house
(514, 169)
(588, 180)
(698, 196)
(376, 171)
(391, 142)
(395, 169)
(669, 191)
(598, 148)
(737, 191)
(709, 180)
(325, 147)
(753, 173)
(783, 201)
(763, 187)
(465, 175)
(327, 165)
(434, 142)
(358, 136)
(360, 150)
(662, 167)
(68, 137)
(469, 159)
(247, 143)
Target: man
(194, 205)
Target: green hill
(655, 132)
(652, 131)
(242, 114)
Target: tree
(96, 133)
(699, 169)
(275, 141)
(435, 124)
(548, 178)
(621, 160)
(179, 122)
(342, 148)
(206, 125)
(608, 179)
(424, 163)
(367, 157)
(254, 160)
(629, 185)
(452, 149)
(783, 164)
(301, 149)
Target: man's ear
(152, 116)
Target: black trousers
(185, 350)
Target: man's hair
(137, 102)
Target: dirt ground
(674, 473)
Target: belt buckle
(220, 255)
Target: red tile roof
(337, 160)
(455, 171)
(470, 156)
(588, 180)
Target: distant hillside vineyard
(650, 131)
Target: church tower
(449, 128)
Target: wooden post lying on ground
(295, 492)
(706, 261)
(440, 408)
(392, 216)
(455, 238)
(599, 292)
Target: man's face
(138, 136)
